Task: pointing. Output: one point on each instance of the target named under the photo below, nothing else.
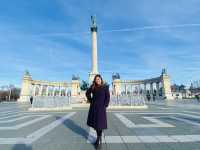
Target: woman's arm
(88, 94)
(107, 96)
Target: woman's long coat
(98, 102)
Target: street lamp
(10, 87)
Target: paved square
(158, 127)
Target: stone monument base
(128, 107)
(169, 97)
(50, 109)
(23, 99)
(55, 103)
(112, 106)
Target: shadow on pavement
(22, 147)
(75, 128)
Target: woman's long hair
(94, 85)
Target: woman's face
(98, 80)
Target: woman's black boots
(98, 142)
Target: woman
(99, 100)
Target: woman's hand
(107, 96)
(88, 95)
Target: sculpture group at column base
(91, 76)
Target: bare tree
(9, 92)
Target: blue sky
(137, 38)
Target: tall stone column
(94, 64)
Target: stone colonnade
(159, 87)
(45, 88)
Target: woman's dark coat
(98, 102)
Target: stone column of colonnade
(53, 90)
(125, 88)
(41, 90)
(40, 87)
(131, 89)
(56, 90)
(50, 90)
(65, 93)
(34, 90)
(145, 88)
(151, 88)
(47, 90)
(157, 89)
(139, 89)
(59, 91)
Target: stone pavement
(160, 127)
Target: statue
(115, 76)
(27, 73)
(74, 77)
(164, 71)
(93, 19)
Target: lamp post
(10, 87)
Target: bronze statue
(93, 19)
(164, 71)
